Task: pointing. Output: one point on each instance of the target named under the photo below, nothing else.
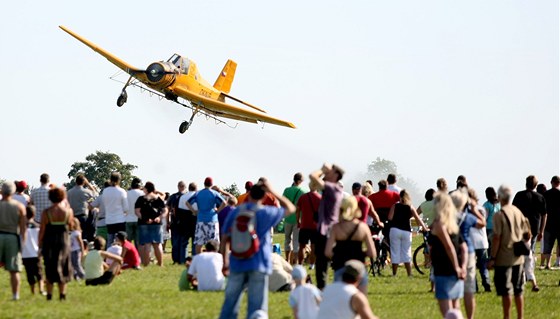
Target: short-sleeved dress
(56, 250)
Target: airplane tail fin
(225, 79)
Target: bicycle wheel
(419, 259)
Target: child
(305, 298)
(131, 258)
(184, 283)
(115, 249)
(97, 271)
(29, 252)
(76, 249)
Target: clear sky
(441, 88)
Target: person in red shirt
(364, 204)
(382, 202)
(306, 216)
(131, 258)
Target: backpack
(244, 240)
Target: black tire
(418, 264)
(183, 127)
(122, 99)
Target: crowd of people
(60, 235)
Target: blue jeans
(179, 247)
(257, 293)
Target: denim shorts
(449, 287)
(150, 234)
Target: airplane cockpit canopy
(180, 62)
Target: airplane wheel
(183, 127)
(122, 99)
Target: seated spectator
(97, 271)
(305, 298)
(184, 283)
(281, 278)
(343, 299)
(205, 271)
(115, 249)
(131, 258)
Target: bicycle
(381, 247)
(419, 258)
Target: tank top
(9, 217)
(401, 217)
(347, 249)
(440, 261)
(93, 264)
(336, 302)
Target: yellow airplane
(178, 77)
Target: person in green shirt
(291, 230)
(184, 283)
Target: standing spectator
(305, 298)
(461, 182)
(382, 202)
(176, 235)
(185, 220)
(441, 185)
(480, 243)
(448, 253)
(205, 271)
(426, 209)
(401, 232)
(241, 198)
(533, 206)
(30, 253)
(468, 219)
(392, 181)
(131, 219)
(364, 204)
(76, 249)
(79, 198)
(54, 242)
(116, 207)
(150, 210)
(552, 228)
(346, 240)
(510, 226)
(342, 299)
(291, 230)
(99, 210)
(20, 194)
(326, 179)
(306, 216)
(492, 206)
(129, 254)
(222, 215)
(207, 227)
(252, 272)
(13, 223)
(40, 197)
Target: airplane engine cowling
(159, 75)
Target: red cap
(208, 182)
(248, 185)
(21, 185)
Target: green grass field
(153, 293)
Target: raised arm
(284, 202)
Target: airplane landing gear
(123, 97)
(121, 100)
(184, 127)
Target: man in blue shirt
(252, 272)
(207, 227)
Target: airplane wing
(139, 74)
(227, 110)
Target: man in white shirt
(206, 269)
(392, 180)
(115, 202)
(131, 219)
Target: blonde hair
(367, 189)
(446, 213)
(349, 209)
(405, 197)
(76, 225)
